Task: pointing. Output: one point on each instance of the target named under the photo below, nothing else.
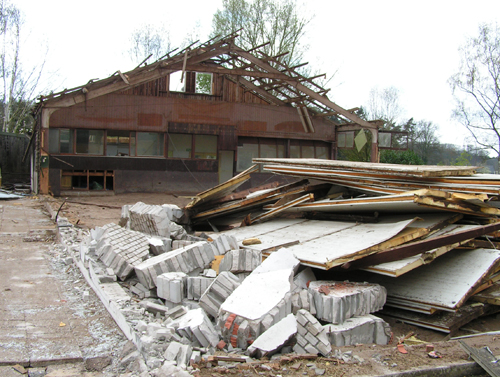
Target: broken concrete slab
(159, 245)
(335, 302)
(311, 336)
(274, 338)
(220, 289)
(262, 299)
(367, 329)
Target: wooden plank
(489, 296)
(251, 202)
(223, 189)
(407, 170)
(276, 211)
(484, 357)
(455, 206)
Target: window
(90, 142)
(149, 144)
(205, 147)
(250, 148)
(85, 180)
(309, 149)
(180, 145)
(117, 143)
(60, 140)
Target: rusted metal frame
(291, 70)
(227, 71)
(261, 93)
(415, 248)
(306, 90)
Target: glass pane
(384, 139)
(66, 140)
(205, 146)
(132, 144)
(294, 151)
(53, 140)
(245, 154)
(307, 151)
(90, 141)
(117, 143)
(281, 151)
(322, 152)
(349, 139)
(268, 151)
(341, 140)
(149, 144)
(179, 145)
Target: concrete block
(172, 351)
(241, 260)
(121, 249)
(218, 291)
(171, 286)
(159, 245)
(196, 286)
(180, 260)
(344, 300)
(196, 326)
(367, 329)
(312, 337)
(274, 338)
(223, 243)
(184, 355)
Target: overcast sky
(411, 45)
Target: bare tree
(476, 88)
(149, 40)
(19, 85)
(384, 104)
(277, 22)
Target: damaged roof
(265, 76)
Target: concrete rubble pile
(176, 309)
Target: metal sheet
(400, 267)
(342, 246)
(447, 282)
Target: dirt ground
(369, 360)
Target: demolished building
(283, 278)
(151, 129)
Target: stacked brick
(121, 249)
(365, 329)
(188, 259)
(171, 286)
(150, 219)
(241, 260)
(196, 326)
(196, 286)
(311, 336)
(193, 257)
(218, 291)
(335, 302)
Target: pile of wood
(429, 234)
